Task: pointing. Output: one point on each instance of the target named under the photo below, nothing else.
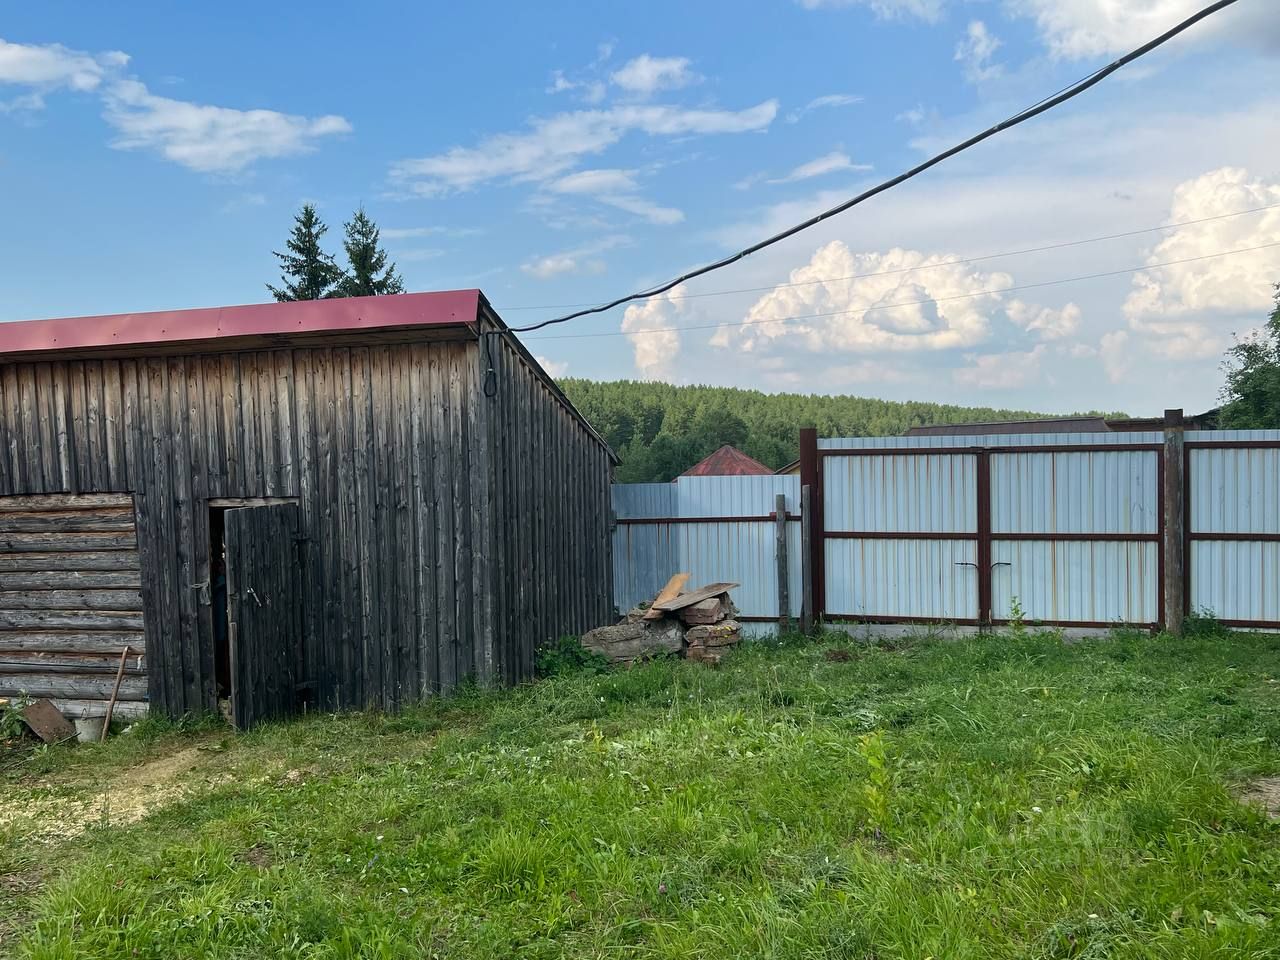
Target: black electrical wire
(912, 303)
(1035, 110)
(959, 261)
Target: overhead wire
(946, 262)
(909, 303)
(1035, 110)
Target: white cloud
(48, 67)
(823, 102)
(1114, 352)
(557, 143)
(206, 138)
(556, 368)
(975, 52)
(592, 182)
(209, 139)
(1176, 306)
(1073, 29)
(419, 254)
(416, 233)
(581, 260)
(655, 345)
(1002, 371)
(617, 188)
(833, 162)
(646, 75)
(929, 10)
(866, 302)
(1045, 322)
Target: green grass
(988, 797)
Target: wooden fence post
(784, 568)
(811, 480)
(1175, 533)
(806, 562)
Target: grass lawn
(987, 797)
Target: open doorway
(218, 608)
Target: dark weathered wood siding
(445, 534)
(375, 443)
(552, 574)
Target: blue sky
(152, 156)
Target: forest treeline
(660, 430)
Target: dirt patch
(136, 793)
(1263, 793)
(257, 856)
(837, 655)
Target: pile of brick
(700, 625)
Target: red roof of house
(728, 462)
(259, 319)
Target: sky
(153, 155)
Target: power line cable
(1043, 106)
(909, 303)
(933, 266)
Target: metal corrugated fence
(715, 528)
(1069, 529)
(1233, 524)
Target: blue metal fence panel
(1076, 581)
(900, 494)
(929, 579)
(1090, 492)
(1236, 580)
(1234, 490)
(646, 555)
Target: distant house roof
(728, 462)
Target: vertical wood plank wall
(379, 445)
(551, 481)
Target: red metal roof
(728, 462)
(259, 319)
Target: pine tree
(308, 272)
(368, 274)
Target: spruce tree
(308, 272)
(368, 274)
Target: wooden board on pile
(697, 596)
(669, 592)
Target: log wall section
(71, 602)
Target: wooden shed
(341, 503)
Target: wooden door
(264, 611)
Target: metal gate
(264, 611)
(1067, 534)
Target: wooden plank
(442, 472)
(66, 542)
(666, 594)
(110, 519)
(46, 430)
(61, 403)
(124, 710)
(103, 502)
(80, 687)
(425, 520)
(112, 418)
(123, 561)
(463, 481)
(181, 541)
(15, 447)
(13, 664)
(349, 661)
(81, 644)
(305, 471)
(703, 593)
(47, 723)
(71, 580)
(119, 600)
(95, 430)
